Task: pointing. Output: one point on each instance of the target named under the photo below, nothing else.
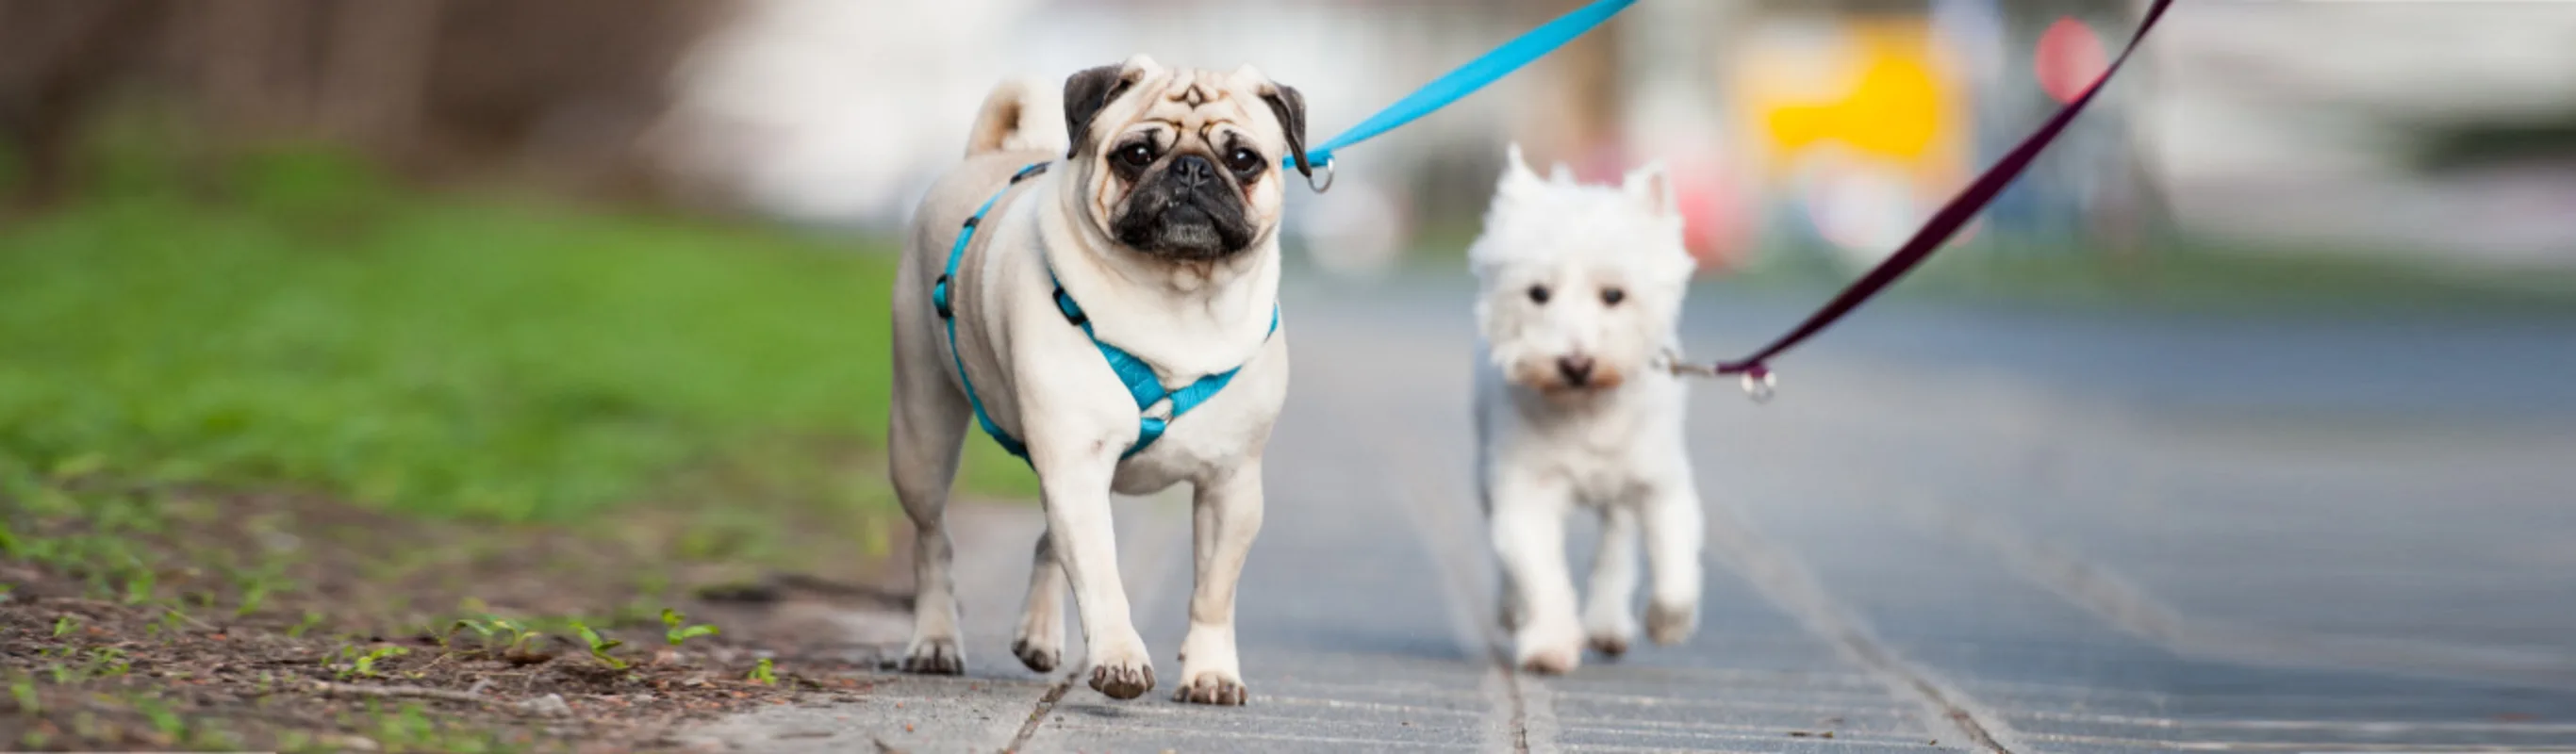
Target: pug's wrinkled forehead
(1173, 111)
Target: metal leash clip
(1758, 380)
(1328, 178)
(1758, 385)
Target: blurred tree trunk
(57, 57)
(554, 90)
(248, 63)
(1595, 90)
(376, 69)
(1575, 113)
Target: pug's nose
(1577, 369)
(1193, 170)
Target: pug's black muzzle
(1189, 210)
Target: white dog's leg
(1508, 609)
(1228, 513)
(1040, 640)
(1606, 620)
(929, 428)
(1507, 603)
(1674, 531)
(1076, 492)
(1529, 536)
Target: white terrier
(1581, 291)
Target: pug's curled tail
(1020, 115)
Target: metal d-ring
(1758, 385)
(1328, 178)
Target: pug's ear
(1290, 107)
(1086, 92)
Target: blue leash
(1475, 75)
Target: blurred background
(425, 286)
(1799, 128)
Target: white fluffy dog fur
(1581, 290)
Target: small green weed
(411, 729)
(255, 585)
(363, 664)
(311, 619)
(765, 673)
(65, 625)
(139, 586)
(599, 647)
(487, 628)
(164, 720)
(107, 662)
(675, 633)
(23, 691)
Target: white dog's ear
(1517, 175)
(1652, 187)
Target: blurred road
(1956, 529)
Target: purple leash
(1758, 380)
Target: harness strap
(939, 299)
(1138, 376)
(1143, 384)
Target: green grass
(319, 330)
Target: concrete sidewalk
(1903, 555)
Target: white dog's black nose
(1193, 170)
(1577, 369)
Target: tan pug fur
(1172, 251)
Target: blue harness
(1139, 377)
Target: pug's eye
(1538, 295)
(1244, 162)
(1139, 154)
(1612, 296)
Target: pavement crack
(1524, 715)
(1781, 578)
(1038, 714)
(1518, 732)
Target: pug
(1145, 224)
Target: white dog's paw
(1123, 672)
(1213, 687)
(1038, 654)
(1555, 659)
(934, 656)
(1551, 650)
(1613, 640)
(1609, 628)
(1671, 624)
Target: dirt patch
(267, 621)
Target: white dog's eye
(1538, 294)
(1138, 154)
(1243, 161)
(1612, 296)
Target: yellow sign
(1873, 88)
